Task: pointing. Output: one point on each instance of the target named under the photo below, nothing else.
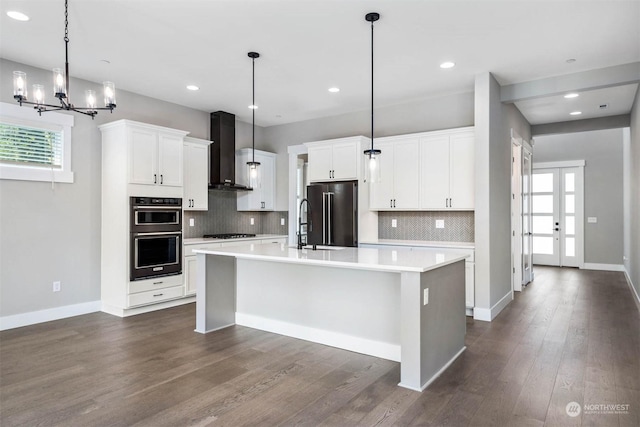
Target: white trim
(334, 339)
(633, 290)
(126, 312)
(437, 374)
(47, 315)
(603, 267)
(486, 314)
(561, 164)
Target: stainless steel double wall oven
(156, 237)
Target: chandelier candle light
(253, 167)
(61, 87)
(372, 156)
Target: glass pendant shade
(59, 83)
(90, 96)
(253, 174)
(38, 94)
(109, 94)
(20, 84)
(372, 166)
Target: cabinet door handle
(450, 202)
(446, 202)
(157, 283)
(390, 203)
(157, 295)
(394, 203)
(155, 178)
(160, 179)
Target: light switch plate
(394, 223)
(425, 296)
(439, 223)
(192, 222)
(592, 219)
(252, 221)
(281, 221)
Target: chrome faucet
(300, 223)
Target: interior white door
(516, 217)
(527, 241)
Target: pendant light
(253, 167)
(372, 156)
(61, 86)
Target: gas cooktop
(228, 236)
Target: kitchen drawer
(155, 296)
(152, 284)
(188, 249)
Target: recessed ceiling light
(571, 95)
(334, 89)
(193, 87)
(253, 107)
(18, 16)
(575, 113)
(448, 64)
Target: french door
(557, 216)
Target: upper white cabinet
(447, 170)
(196, 174)
(261, 198)
(148, 157)
(334, 160)
(400, 170)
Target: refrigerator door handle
(329, 215)
(324, 218)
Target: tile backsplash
(223, 217)
(458, 226)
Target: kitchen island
(401, 305)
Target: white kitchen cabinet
(155, 154)
(334, 160)
(196, 174)
(447, 170)
(399, 167)
(261, 198)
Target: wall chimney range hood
(222, 154)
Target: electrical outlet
(281, 221)
(425, 296)
(56, 286)
(252, 221)
(592, 220)
(394, 223)
(192, 222)
(439, 223)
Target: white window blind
(24, 145)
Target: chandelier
(61, 87)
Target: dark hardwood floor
(571, 335)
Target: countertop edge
(420, 243)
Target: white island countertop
(377, 259)
(420, 243)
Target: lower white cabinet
(151, 291)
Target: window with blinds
(35, 147)
(30, 146)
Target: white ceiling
(157, 47)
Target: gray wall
(455, 110)
(54, 234)
(493, 123)
(632, 237)
(603, 189)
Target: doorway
(557, 214)
(521, 248)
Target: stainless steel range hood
(222, 154)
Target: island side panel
(442, 320)
(358, 310)
(215, 292)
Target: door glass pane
(543, 245)
(570, 246)
(569, 203)
(570, 225)
(543, 183)
(570, 182)
(543, 204)
(542, 224)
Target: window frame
(52, 121)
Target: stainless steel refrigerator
(334, 213)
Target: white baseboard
(40, 316)
(633, 289)
(486, 314)
(444, 368)
(126, 312)
(334, 339)
(603, 267)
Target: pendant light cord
(253, 110)
(372, 85)
(66, 49)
